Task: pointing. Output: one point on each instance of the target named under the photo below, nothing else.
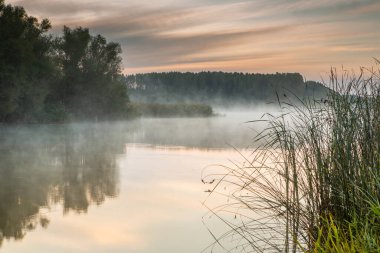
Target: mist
(97, 157)
(74, 166)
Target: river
(127, 186)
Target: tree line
(77, 76)
(220, 87)
(53, 79)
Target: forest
(78, 76)
(221, 88)
(54, 79)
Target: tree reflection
(45, 165)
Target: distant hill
(221, 88)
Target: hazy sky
(249, 36)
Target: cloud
(172, 49)
(152, 36)
(57, 8)
(225, 34)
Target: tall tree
(220, 88)
(92, 85)
(25, 64)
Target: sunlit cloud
(248, 36)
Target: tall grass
(316, 171)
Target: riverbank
(172, 110)
(314, 183)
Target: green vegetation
(173, 110)
(359, 235)
(77, 76)
(314, 183)
(219, 88)
(46, 79)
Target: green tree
(25, 64)
(92, 85)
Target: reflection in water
(75, 166)
(42, 166)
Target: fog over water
(122, 186)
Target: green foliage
(91, 86)
(73, 77)
(358, 235)
(173, 110)
(314, 183)
(25, 64)
(219, 87)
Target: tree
(43, 79)
(25, 64)
(220, 88)
(92, 85)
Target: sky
(254, 36)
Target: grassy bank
(172, 110)
(314, 185)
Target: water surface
(131, 186)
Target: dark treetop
(220, 88)
(74, 76)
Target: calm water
(130, 186)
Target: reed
(316, 170)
